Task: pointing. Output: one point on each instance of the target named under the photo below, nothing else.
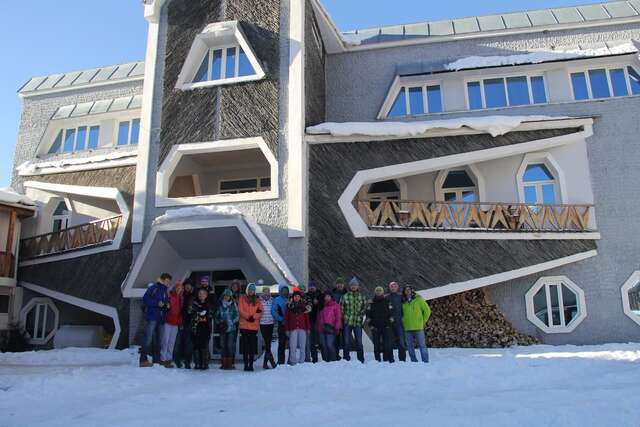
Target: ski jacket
(152, 298)
(297, 317)
(337, 294)
(379, 313)
(354, 307)
(201, 314)
(279, 308)
(174, 314)
(395, 306)
(226, 316)
(331, 314)
(250, 313)
(415, 314)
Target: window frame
(549, 161)
(474, 174)
(608, 67)
(481, 78)
(546, 283)
(406, 83)
(259, 187)
(129, 132)
(34, 303)
(626, 304)
(223, 64)
(63, 218)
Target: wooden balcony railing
(7, 263)
(479, 216)
(95, 233)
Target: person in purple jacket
(328, 324)
(155, 303)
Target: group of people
(310, 323)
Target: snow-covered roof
(8, 196)
(29, 168)
(83, 78)
(98, 107)
(586, 15)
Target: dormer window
(220, 55)
(76, 139)
(602, 83)
(506, 92)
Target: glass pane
(475, 95)
(469, 196)
(579, 82)
(69, 140)
(555, 306)
(384, 187)
(61, 209)
(94, 137)
(618, 82)
(634, 79)
(246, 69)
(399, 107)
(81, 138)
(538, 90)
(216, 66)
(434, 99)
(57, 225)
(450, 197)
(135, 131)
(599, 84)
(530, 196)
(458, 179)
(231, 63)
(540, 306)
(537, 172)
(265, 182)
(518, 89)
(239, 185)
(494, 93)
(203, 72)
(634, 299)
(570, 302)
(57, 143)
(416, 104)
(123, 133)
(4, 304)
(548, 194)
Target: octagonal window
(631, 297)
(40, 320)
(556, 304)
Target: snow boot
(145, 364)
(272, 361)
(196, 359)
(205, 359)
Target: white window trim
(130, 133)
(505, 76)
(34, 302)
(258, 182)
(607, 67)
(163, 179)
(554, 167)
(543, 282)
(473, 172)
(626, 305)
(206, 41)
(400, 82)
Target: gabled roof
(84, 78)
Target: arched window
(458, 186)
(556, 305)
(61, 217)
(539, 185)
(383, 190)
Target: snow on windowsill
(8, 195)
(196, 211)
(494, 125)
(30, 168)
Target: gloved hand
(203, 313)
(251, 319)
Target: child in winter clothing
(354, 307)
(173, 321)
(226, 318)
(201, 328)
(297, 324)
(328, 324)
(415, 315)
(266, 327)
(251, 311)
(379, 319)
(279, 311)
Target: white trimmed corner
(47, 191)
(542, 283)
(218, 35)
(56, 318)
(169, 165)
(550, 162)
(101, 309)
(626, 305)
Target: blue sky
(67, 35)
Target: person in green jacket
(415, 315)
(354, 308)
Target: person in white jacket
(266, 327)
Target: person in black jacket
(337, 293)
(313, 298)
(379, 318)
(183, 353)
(397, 329)
(201, 321)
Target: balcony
(84, 236)
(418, 215)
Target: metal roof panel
(123, 71)
(104, 74)
(542, 18)
(136, 102)
(50, 81)
(120, 104)
(516, 20)
(593, 12)
(33, 84)
(491, 23)
(441, 28)
(101, 106)
(82, 109)
(466, 25)
(63, 112)
(68, 79)
(620, 9)
(567, 15)
(86, 76)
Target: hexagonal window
(555, 304)
(631, 297)
(40, 320)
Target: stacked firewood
(470, 320)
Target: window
(506, 92)
(459, 187)
(39, 319)
(539, 185)
(631, 297)
(556, 304)
(224, 63)
(61, 217)
(76, 139)
(604, 83)
(383, 190)
(129, 132)
(5, 302)
(245, 185)
(418, 100)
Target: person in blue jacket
(278, 312)
(155, 304)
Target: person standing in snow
(251, 311)
(379, 319)
(338, 292)
(328, 323)
(397, 329)
(201, 328)
(354, 307)
(155, 301)
(236, 287)
(173, 322)
(313, 299)
(226, 318)
(184, 349)
(279, 311)
(415, 315)
(266, 327)
(297, 325)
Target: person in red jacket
(298, 327)
(173, 321)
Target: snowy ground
(536, 386)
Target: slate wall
(315, 58)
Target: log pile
(470, 320)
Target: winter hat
(393, 283)
(227, 293)
(281, 288)
(354, 282)
(204, 281)
(379, 290)
(266, 290)
(340, 280)
(302, 288)
(313, 285)
(251, 287)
